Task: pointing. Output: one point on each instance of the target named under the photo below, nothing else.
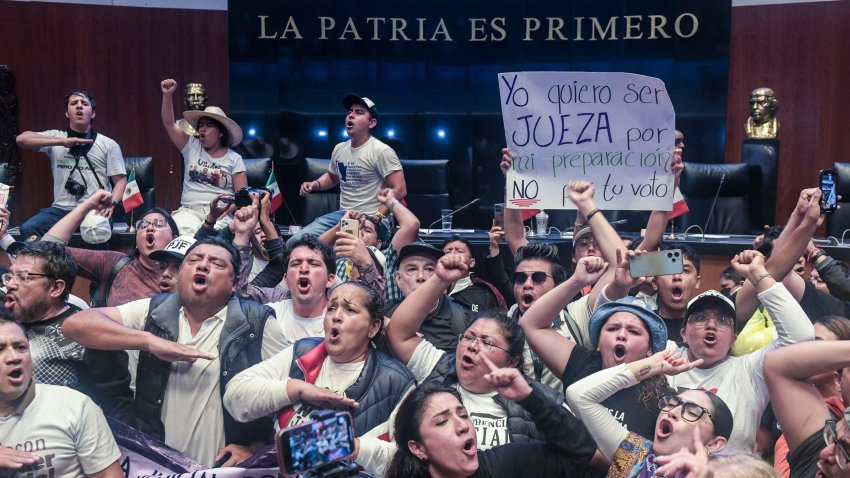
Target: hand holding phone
(661, 263)
(499, 214)
(351, 226)
(828, 184)
(316, 444)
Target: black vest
(239, 347)
(378, 389)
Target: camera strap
(82, 150)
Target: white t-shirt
(295, 327)
(740, 381)
(205, 176)
(490, 419)
(261, 390)
(361, 172)
(192, 410)
(104, 155)
(65, 429)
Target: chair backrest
(427, 188)
(839, 221)
(699, 185)
(322, 202)
(144, 178)
(257, 170)
(4, 173)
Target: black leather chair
(699, 185)
(427, 189)
(321, 202)
(144, 178)
(839, 221)
(257, 170)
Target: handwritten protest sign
(613, 129)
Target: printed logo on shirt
(207, 172)
(491, 430)
(620, 416)
(44, 467)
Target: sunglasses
(536, 277)
(690, 410)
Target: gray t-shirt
(104, 155)
(361, 172)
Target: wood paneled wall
(120, 54)
(802, 52)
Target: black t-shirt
(100, 374)
(817, 304)
(477, 298)
(804, 460)
(624, 405)
(674, 331)
(443, 326)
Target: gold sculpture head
(762, 122)
(195, 97)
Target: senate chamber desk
(715, 251)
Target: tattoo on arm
(644, 370)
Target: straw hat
(234, 132)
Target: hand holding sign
(615, 130)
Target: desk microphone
(470, 203)
(714, 203)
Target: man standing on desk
(361, 166)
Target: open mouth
(16, 376)
(710, 339)
(527, 300)
(303, 284)
(9, 301)
(677, 293)
(469, 447)
(199, 282)
(335, 333)
(619, 351)
(665, 429)
(149, 239)
(467, 362)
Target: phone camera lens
(669, 254)
(676, 254)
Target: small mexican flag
(132, 196)
(277, 198)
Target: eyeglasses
(158, 223)
(536, 277)
(586, 242)
(690, 410)
(701, 320)
(21, 277)
(489, 345)
(830, 436)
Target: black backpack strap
(102, 294)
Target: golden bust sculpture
(762, 123)
(195, 98)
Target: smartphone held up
(828, 184)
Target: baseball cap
(419, 249)
(379, 258)
(709, 298)
(176, 249)
(582, 231)
(354, 99)
(654, 323)
(95, 229)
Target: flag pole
(131, 227)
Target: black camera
(75, 188)
(243, 196)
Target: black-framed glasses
(830, 436)
(158, 223)
(21, 277)
(700, 319)
(488, 344)
(690, 411)
(536, 277)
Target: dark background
(295, 87)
